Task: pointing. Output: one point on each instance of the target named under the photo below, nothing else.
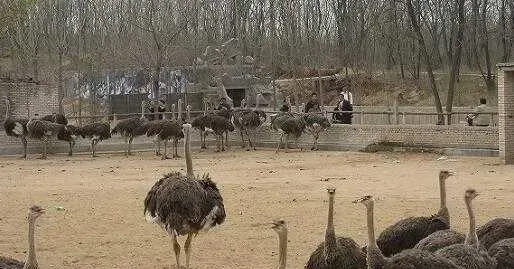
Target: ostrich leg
(165, 156)
(126, 146)
(243, 143)
(92, 147)
(70, 152)
(218, 145)
(45, 141)
(175, 146)
(176, 247)
(286, 144)
(24, 142)
(202, 138)
(279, 142)
(187, 245)
(222, 142)
(130, 146)
(226, 139)
(250, 145)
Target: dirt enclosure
(103, 225)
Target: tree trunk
(60, 84)
(459, 8)
(426, 58)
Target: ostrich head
(365, 200)
(470, 194)
(35, 212)
(279, 226)
(331, 191)
(444, 174)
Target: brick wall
(26, 99)
(506, 111)
(338, 137)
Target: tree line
(43, 39)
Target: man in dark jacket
(344, 105)
(313, 104)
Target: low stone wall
(338, 137)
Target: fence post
(362, 116)
(403, 118)
(395, 111)
(115, 119)
(188, 113)
(173, 111)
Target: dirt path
(103, 225)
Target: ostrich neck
(7, 109)
(471, 238)
(31, 262)
(443, 210)
(374, 255)
(330, 238)
(187, 153)
(282, 250)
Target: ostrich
(96, 132)
(469, 254)
(31, 263)
(494, 231)
(44, 130)
(280, 227)
(153, 129)
(336, 252)
(56, 118)
(288, 124)
(440, 239)
(315, 124)
(406, 233)
(185, 204)
(166, 130)
(503, 252)
(246, 121)
(16, 127)
(131, 128)
(213, 123)
(407, 259)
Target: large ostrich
(407, 259)
(440, 239)
(31, 263)
(503, 252)
(16, 127)
(469, 254)
(495, 230)
(131, 128)
(314, 125)
(406, 233)
(185, 204)
(165, 130)
(45, 130)
(280, 227)
(288, 124)
(96, 132)
(336, 252)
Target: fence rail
(359, 117)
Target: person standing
(478, 118)
(344, 105)
(313, 104)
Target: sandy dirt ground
(103, 225)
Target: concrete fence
(454, 138)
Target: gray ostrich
(16, 127)
(213, 123)
(494, 231)
(95, 132)
(31, 263)
(45, 130)
(406, 233)
(131, 128)
(440, 239)
(314, 125)
(185, 204)
(407, 259)
(246, 121)
(336, 252)
(470, 254)
(280, 227)
(288, 124)
(164, 131)
(503, 252)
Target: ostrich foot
(203, 147)
(22, 157)
(248, 149)
(222, 149)
(42, 158)
(165, 158)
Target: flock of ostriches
(184, 205)
(219, 123)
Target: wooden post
(403, 118)
(362, 116)
(188, 113)
(173, 111)
(395, 111)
